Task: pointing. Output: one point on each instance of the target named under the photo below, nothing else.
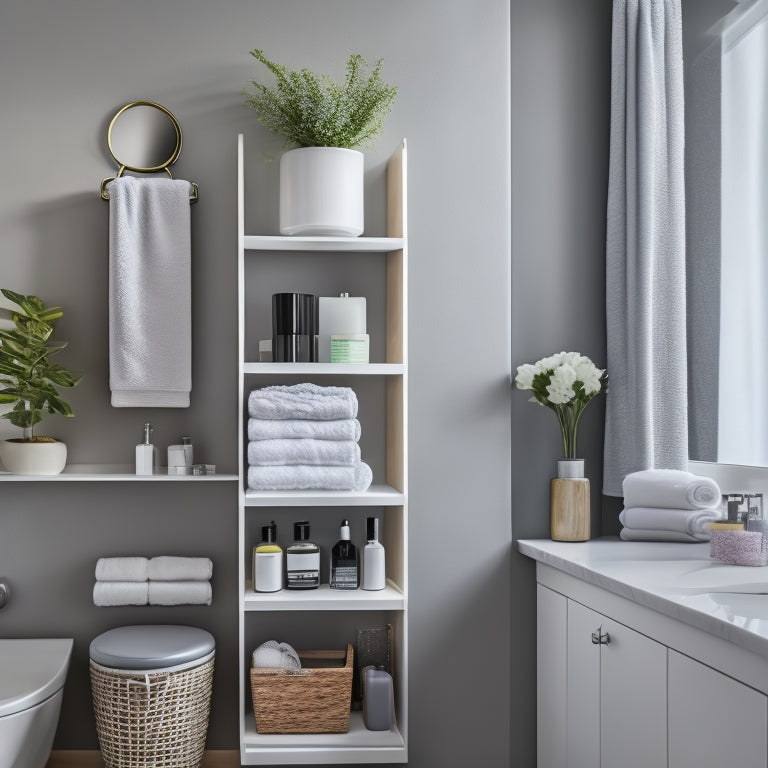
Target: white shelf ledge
(359, 745)
(375, 496)
(325, 599)
(349, 244)
(110, 472)
(322, 369)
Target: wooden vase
(569, 509)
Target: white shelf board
(111, 472)
(375, 496)
(353, 244)
(322, 369)
(359, 745)
(325, 599)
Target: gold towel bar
(193, 196)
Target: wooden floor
(79, 758)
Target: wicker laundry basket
(316, 699)
(152, 718)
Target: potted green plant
(321, 177)
(30, 382)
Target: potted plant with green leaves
(322, 122)
(30, 382)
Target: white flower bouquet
(564, 382)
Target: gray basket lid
(150, 646)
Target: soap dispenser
(374, 577)
(345, 571)
(268, 561)
(145, 453)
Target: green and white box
(349, 347)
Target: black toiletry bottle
(302, 560)
(345, 565)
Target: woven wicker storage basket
(147, 719)
(316, 699)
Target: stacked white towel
(304, 437)
(164, 580)
(669, 505)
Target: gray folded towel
(301, 451)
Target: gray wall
(66, 68)
(560, 124)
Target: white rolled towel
(277, 429)
(303, 451)
(122, 569)
(111, 593)
(633, 534)
(670, 489)
(170, 568)
(302, 401)
(694, 522)
(180, 592)
(304, 477)
(276, 655)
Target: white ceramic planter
(321, 192)
(22, 458)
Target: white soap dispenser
(145, 453)
(374, 576)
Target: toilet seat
(31, 671)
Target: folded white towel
(631, 534)
(670, 488)
(150, 292)
(180, 592)
(122, 569)
(108, 593)
(303, 451)
(302, 401)
(278, 429)
(691, 521)
(276, 655)
(303, 477)
(168, 568)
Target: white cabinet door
(582, 691)
(551, 631)
(714, 720)
(633, 699)
(616, 695)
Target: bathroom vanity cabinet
(325, 618)
(621, 685)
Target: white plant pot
(321, 192)
(21, 458)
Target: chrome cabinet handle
(600, 638)
(4, 592)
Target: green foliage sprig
(29, 379)
(311, 110)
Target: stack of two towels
(669, 505)
(305, 437)
(161, 580)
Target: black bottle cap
(269, 533)
(372, 528)
(293, 314)
(301, 530)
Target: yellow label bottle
(268, 562)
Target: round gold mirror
(144, 137)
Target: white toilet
(32, 675)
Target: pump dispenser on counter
(145, 453)
(374, 576)
(268, 561)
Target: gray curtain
(646, 406)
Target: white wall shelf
(375, 496)
(324, 369)
(326, 244)
(111, 473)
(358, 746)
(325, 599)
(262, 614)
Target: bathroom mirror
(144, 137)
(726, 102)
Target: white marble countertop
(678, 580)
